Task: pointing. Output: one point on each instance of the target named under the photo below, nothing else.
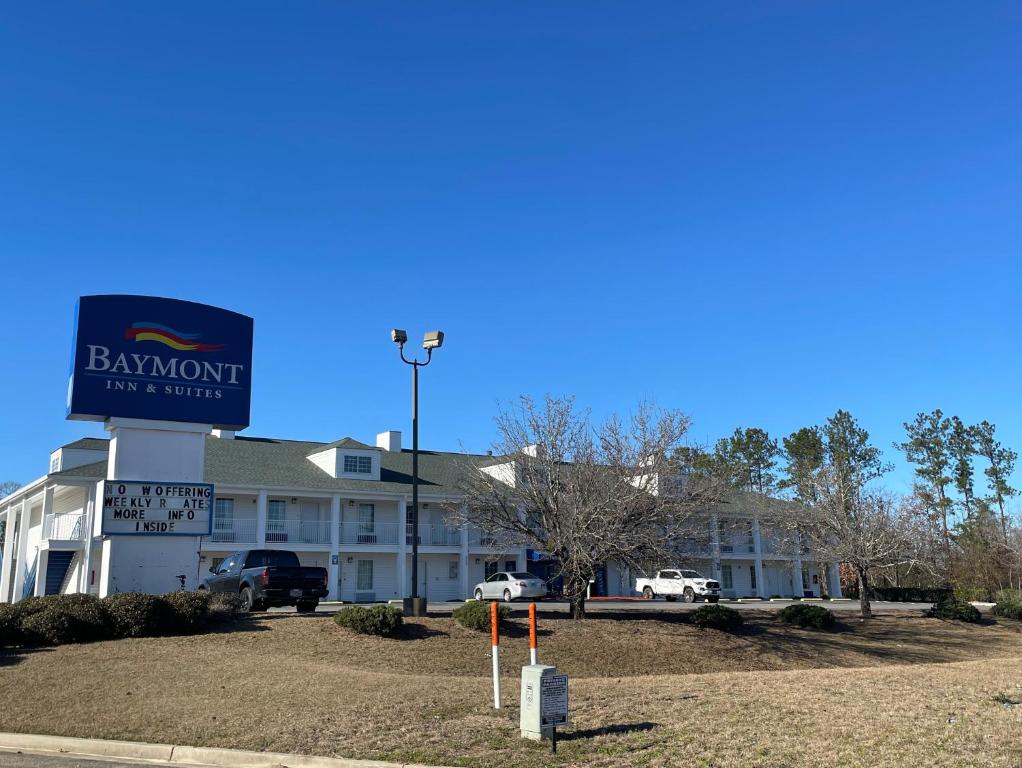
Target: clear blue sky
(756, 212)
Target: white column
(796, 575)
(757, 545)
(335, 544)
(402, 547)
(86, 567)
(463, 563)
(18, 577)
(715, 546)
(5, 576)
(835, 581)
(42, 555)
(262, 505)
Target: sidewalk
(170, 754)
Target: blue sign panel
(145, 357)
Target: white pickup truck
(673, 583)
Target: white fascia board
(23, 490)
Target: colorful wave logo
(186, 342)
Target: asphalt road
(646, 606)
(25, 760)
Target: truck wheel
(712, 599)
(307, 606)
(247, 600)
(647, 592)
(689, 595)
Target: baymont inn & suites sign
(146, 357)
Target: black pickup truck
(267, 578)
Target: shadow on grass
(608, 730)
(12, 656)
(418, 632)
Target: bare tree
(846, 522)
(583, 493)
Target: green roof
(269, 462)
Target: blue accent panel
(193, 364)
(56, 570)
(28, 588)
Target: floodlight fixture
(398, 336)
(433, 340)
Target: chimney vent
(389, 441)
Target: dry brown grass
(898, 691)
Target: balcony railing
(68, 526)
(234, 529)
(435, 535)
(368, 533)
(478, 538)
(297, 532)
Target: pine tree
(804, 454)
(1001, 463)
(961, 448)
(927, 448)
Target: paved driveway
(645, 606)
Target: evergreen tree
(961, 448)
(804, 453)
(1001, 463)
(927, 448)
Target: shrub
(968, 594)
(225, 606)
(188, 611)
(1009, 604)
(63, 619)
(803, 615)
(720, 617)
(475, 614)
(136, 614)
(954, 610)
(382, 620)
(10, 626)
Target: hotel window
(366, 523)
(365, 575)
(223, 514)
(276, 510)
(452, 569)
(726, 580)
(360, 465)
(752, 576)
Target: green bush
(225, 606)
(10, 626)
(954, 610)
(382, 620)
(814, 616)
(475, 614)
(715, 616)
(1009, 604)
(64, 619)
(137, 614)
(188, 611)
(967, 593)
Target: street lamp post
(415, 605)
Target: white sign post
(136, 508)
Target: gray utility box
(544, 701)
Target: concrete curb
(169, 754)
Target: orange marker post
(532, 634)
(495, 647)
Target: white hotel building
(341, 505)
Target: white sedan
(510, 585)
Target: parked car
(510, 585)
(267, 578)
(673, 583)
